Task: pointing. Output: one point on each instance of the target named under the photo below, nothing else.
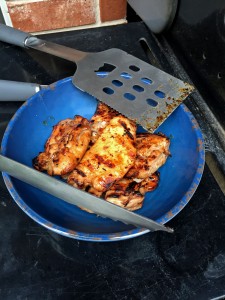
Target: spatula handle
(13, 36)
(19, 38)
(17, 91)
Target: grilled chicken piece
(152, 152)
(65, 147)
(130, 194)
(149, 184)
(109, 159)
(127, 193)
(100, 120)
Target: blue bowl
(31, 126)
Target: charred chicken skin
(129, 193)
(65, 147)
(152, 153)
(109, 159)
(126, 192)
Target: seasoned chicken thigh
(100, 120)
(129, 193)
(65, 147)
(152, 153)
(109, 159)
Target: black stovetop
(39, 264)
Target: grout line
(5, 13)
(109, 23)
(97, 12)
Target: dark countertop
(39, 264)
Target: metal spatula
(76, 197)
(131, 86)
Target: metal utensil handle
(19, 38)
(17, 91)
(77, 197)
(55, 49)
(13, 36)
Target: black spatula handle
(13, 36)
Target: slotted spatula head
(134, 88)
(131, 86)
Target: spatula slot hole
(102, 74)
(108, 90)
(160, 94)
(125, 75)
(129, 96)
(146, 80)
(134, 68)
(152, 102)
(117, 83)
(106, 68)
(138, 88)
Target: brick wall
(56, 15)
